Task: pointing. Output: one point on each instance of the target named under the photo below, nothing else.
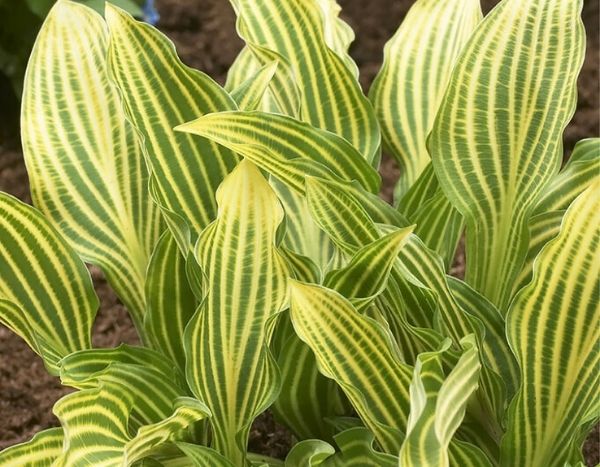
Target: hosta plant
(241, 227)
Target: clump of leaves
(242, 229)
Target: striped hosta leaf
(160, 93)
(155, 389)
(96, 425)
(580, 172)
(438, 404)
(439, 224)
(355, 450)
(367, 273)
(46, 293)
(85, 167)
(359, 354)
(418, 276)
(330, 96)
(302, 234)
(417, 65)
(40, 451)
(551, 329)
(202, 456)
(249, 94)
(310, 453)
(496, 141)
(337, 33)
(307, 398)
(228, 364)
(542, 228)
(582, 168)
(171, 301)
(496, 350)
(285, 147)
(81, 369)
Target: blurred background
(204, 34)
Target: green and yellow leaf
(228, 364)
(417, 65)
(85, 166)
(330, 96)
(159, 93)
(46, 293)
(551, 329)
(40, 451)
(496, 141)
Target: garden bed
(203, 31)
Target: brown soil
(203, 31)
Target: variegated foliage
(241, 227)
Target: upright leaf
(46, 293)
(552, 330)
(330, 96)
(496, 141)
(228, 364)
(359, 354)
(438, 405)
(417, 65)
(85, 166)
(159, 93)
(171, 301)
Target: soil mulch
(204, 34)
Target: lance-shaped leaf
(40, 451)
(438, 405)
(250, 93)
(360, 355)
(96, 425)
(582, 168)
(496, 141)
(418, 276)
(85, 166)
(417, 65)
(552, 330)
(46, 293)
(159, 93)
(171, 301)
(330, 96)
(273, 141)
(228, 364)
(367, 273)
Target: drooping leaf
(46, 293)
(96, 424)
(228, 365)
(496, 141)
(550, 327)
(85, 166)
(159, 93)
(417, 65)
(40, 451)
(285, 147)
